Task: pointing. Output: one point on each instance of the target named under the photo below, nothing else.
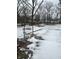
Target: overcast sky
(54, 1)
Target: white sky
(54, 1)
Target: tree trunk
(32, 16)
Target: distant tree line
(42, 12)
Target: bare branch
(28, 4)
(39, 6)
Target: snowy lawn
(50, 47)
(20, 30)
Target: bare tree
(41, 14)
(58, 12)
(23, 6)
(48, 6)
(34, 3)
(22, 12)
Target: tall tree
(22, 8)
(34, 4)
(48, 6)
(58, 12)
(22, 12)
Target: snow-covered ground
(20, 30)
(50, 47)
